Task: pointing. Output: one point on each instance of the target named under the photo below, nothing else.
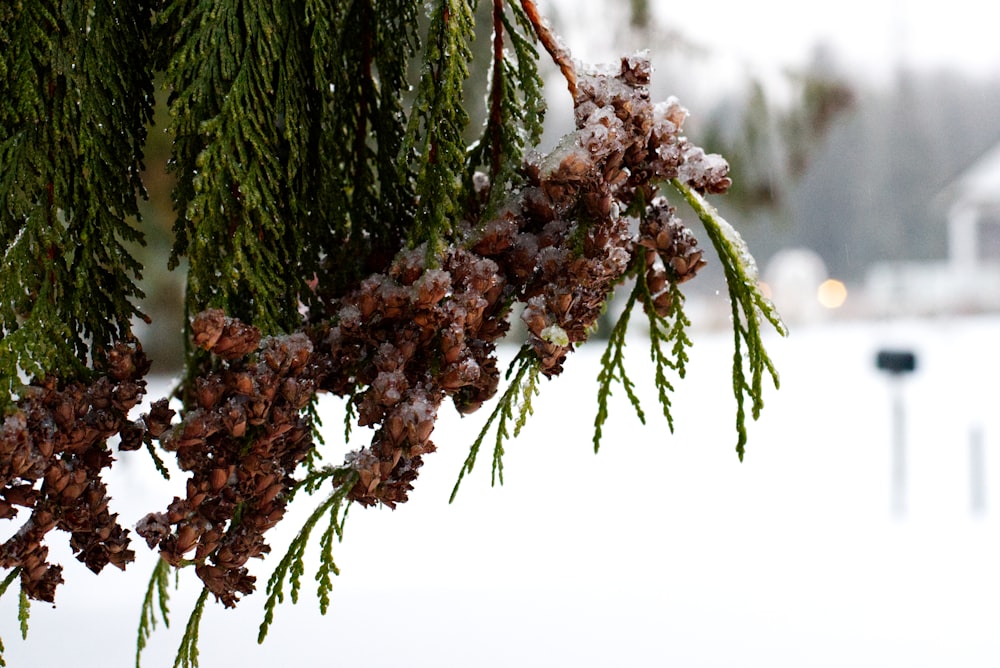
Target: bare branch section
(497, 90)
(560, 55)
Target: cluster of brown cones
(52, 452)
(399, 344)
(241, 442)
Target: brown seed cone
(226, 337)
(53, 451)
(665, 233)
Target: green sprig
(513, 407)
(23, 612)
(668, 344)
(72, 127)
(157, 598)
(291, 568)
(14, 572)
(187, 653)
(663, 332)
(749, 308)
(613, 369)
(516, 103)
(434, 136)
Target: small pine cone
(433, 286)
(158, 419)
(131, 436)
(685, 266)
(286, 354)
(676, 245)
(656, 278)
(237, 340)
(497, 236)
(226, 337)
(636, 70)
(409, 265)
(705, 172)
(662, 298)
(126, 361)
(226, 584)
(206, 328)
(154, 527)
(39, 581)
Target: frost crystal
(555, 334)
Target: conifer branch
(437, 122)
(23, 612)
(525, 368)
(749, 307)
(613, 369)
(235, 97)
(11, 576)
(304, 165)
(364, 199)
(187, 652)
(670, 330)
(291, 567)
(664, 330)
(560, 56)
(495, 122)
(516, 106)
(156, 598)
(72, 127)
(158, 463)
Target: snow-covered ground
(662, 550)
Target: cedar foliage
(340, 238)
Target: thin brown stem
(496, 91)
(559, 53)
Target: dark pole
(897, 363)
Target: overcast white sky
(871, 35)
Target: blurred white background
(660, 550)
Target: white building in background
(969, 279)
(974, 214)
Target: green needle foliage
(437, 122)
(72, 128)
(157, 599)
(362, 210)
(749, 309)
(514, 406)
(239, 120)
(187, 653)
(291, 567)
(517, 104)
(668, 344)
(11, 576)
(343, 230)
(613, 370)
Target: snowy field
(663, 550)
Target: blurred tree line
(871, 190)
